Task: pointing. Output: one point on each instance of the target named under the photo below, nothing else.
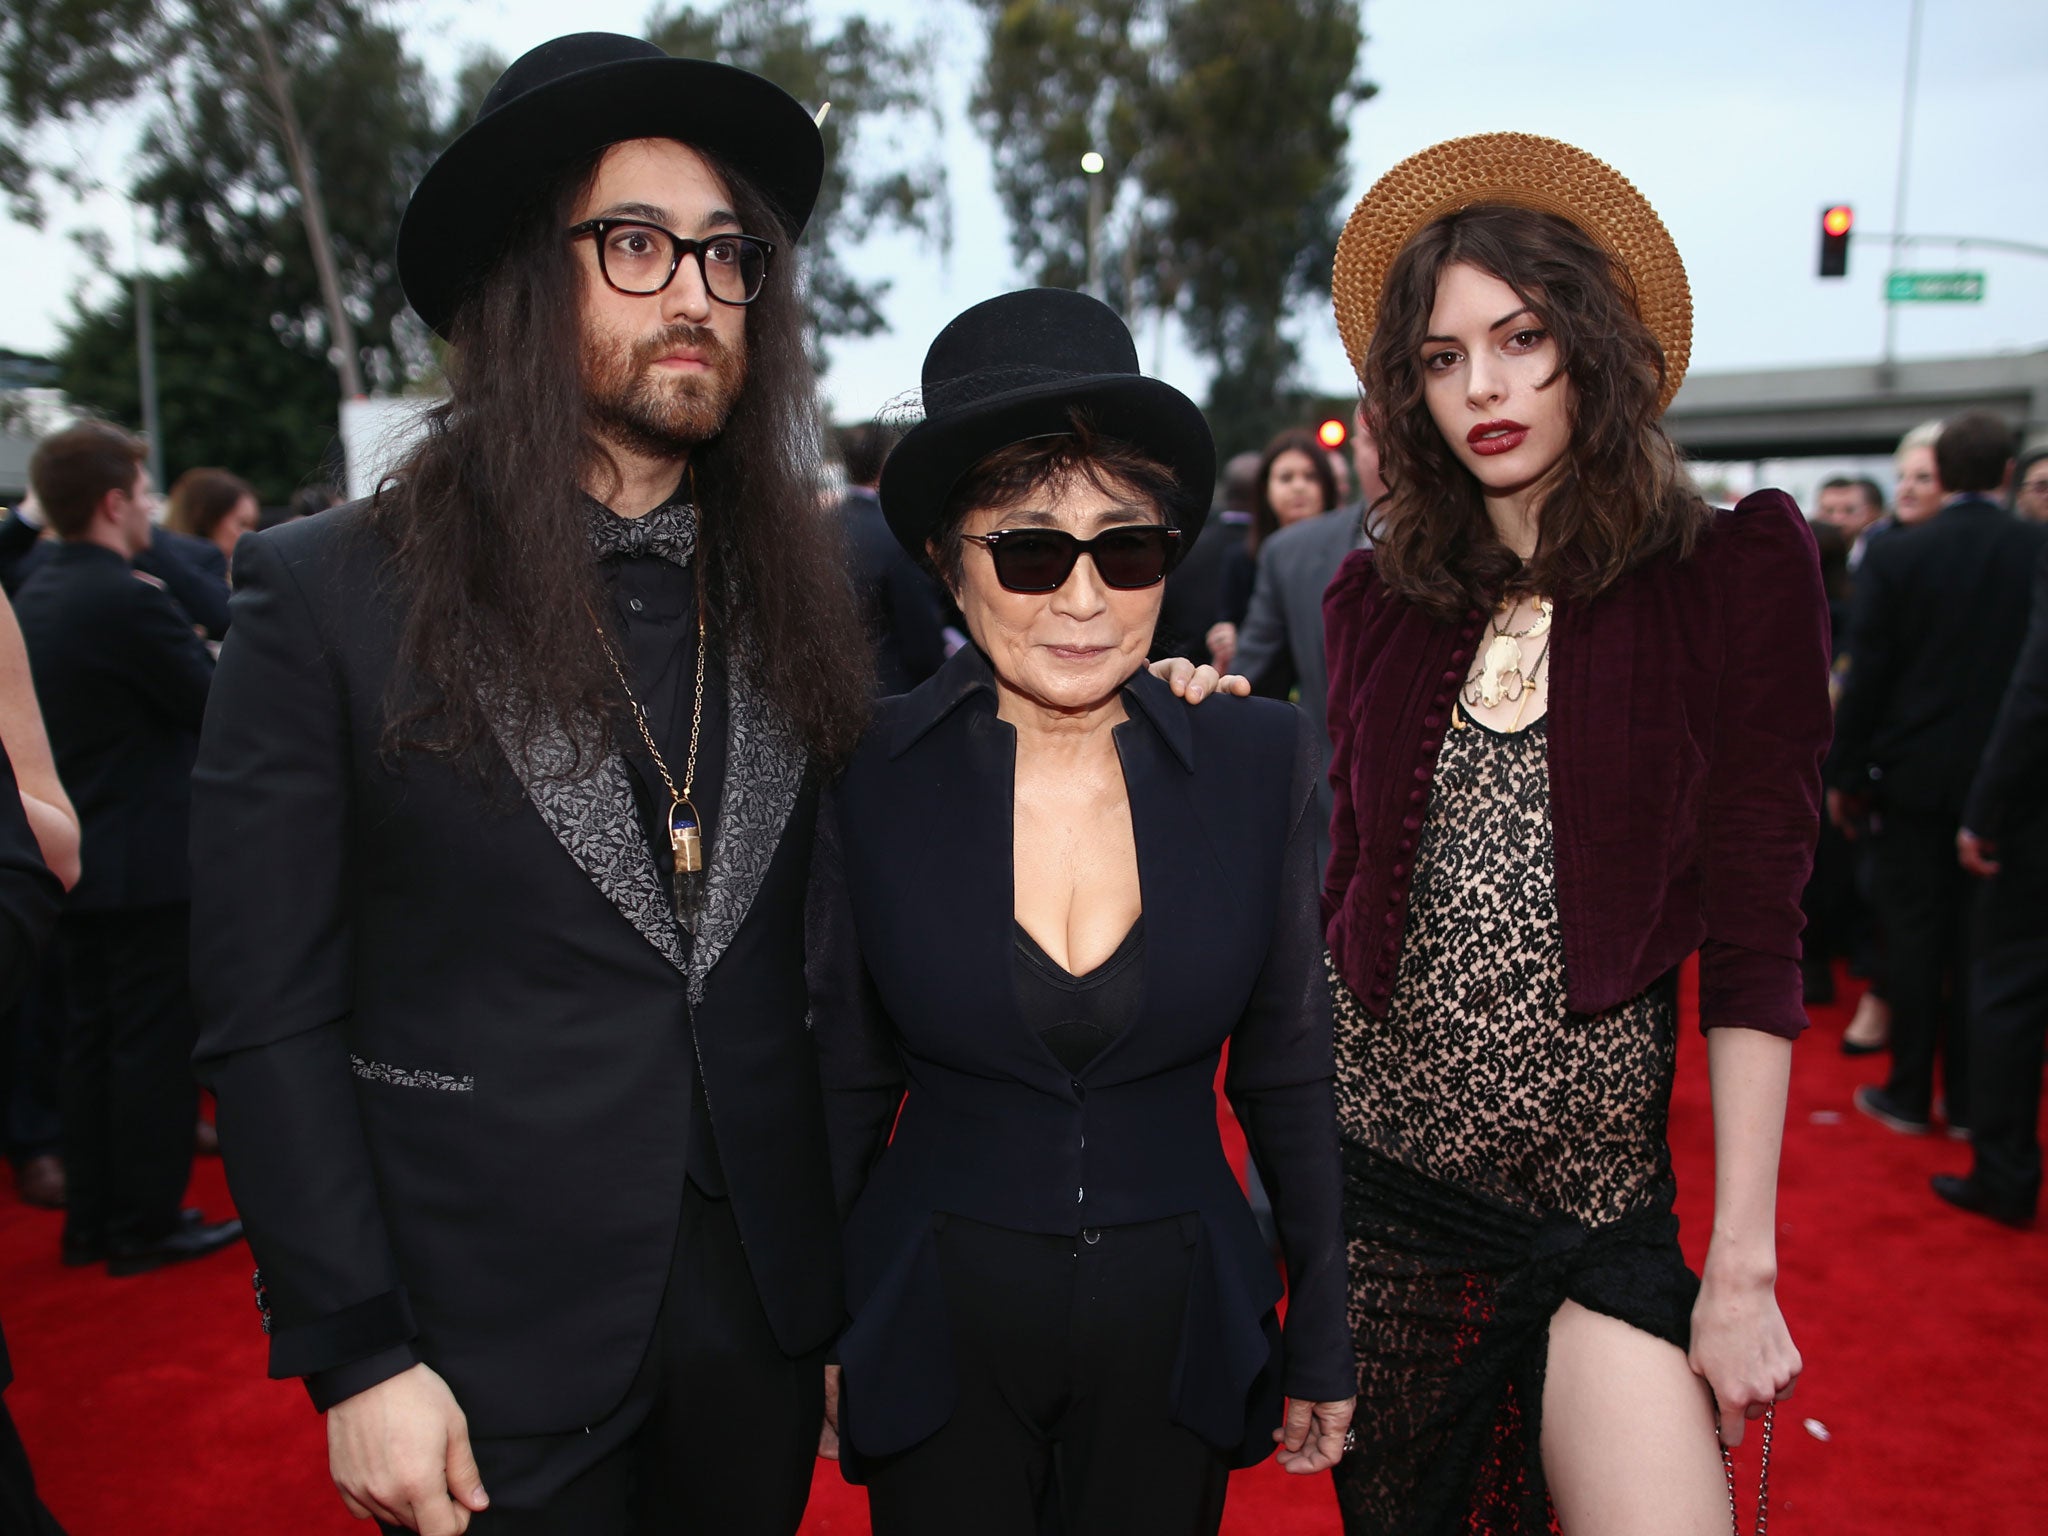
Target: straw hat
(1522, 171)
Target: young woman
(1578, 720)
(1029, 948)
(1295, 483)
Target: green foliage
(229, 391)
(1224, 127)
(882, 95)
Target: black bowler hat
(567, 98)
(1011, 369)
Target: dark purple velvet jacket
(1688, 719)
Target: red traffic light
(1835, 224)
(1331, 434)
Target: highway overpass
(1858, 408)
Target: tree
(213, 170)
(1223, 125)
(881, 92)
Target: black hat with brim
(573, 96)
(1016, 368)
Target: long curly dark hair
(1619, 497)
(1265, 521)
(491, 545)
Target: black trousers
(1925, 903)
(130, 1102)
(718, 1432)
(21, 1512)
(2009, 1025)
(1065, 1348)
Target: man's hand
(1191, 682)
(828, 1435)
(1222, 643)
(399, 1453)
(1976, 855)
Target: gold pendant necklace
(685, 826)
(1500, 674)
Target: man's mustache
(700, 339)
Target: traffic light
(1835, 225)
(1331, 434)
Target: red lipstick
(1491, 437)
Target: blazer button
(1430, 744)
(1423, 775)
(1393, 918)
(1450, 677)
(1413, 824)
(1430, 723)
(1416, 796)
(1399, 871)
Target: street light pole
(1091, 167)
(1891, 310)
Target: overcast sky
(1740, 119)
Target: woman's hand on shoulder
(1194, 683)
(1742, 1349)
(1313, 1437)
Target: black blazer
(1934, 630)
(899, 602)
(29, 894)
(454, 1031)
(2006, 798)
(196, 572)
(912, 983)
(122, 681)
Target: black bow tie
(669, 532)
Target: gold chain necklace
(685, 826)
(1500, 674)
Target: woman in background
(1295, 483)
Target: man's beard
(644, 411)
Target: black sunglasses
(1041, 559)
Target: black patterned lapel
(597, 822)
(764, 771)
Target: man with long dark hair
(503, 818)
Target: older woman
(1035, 940)
(1578, 718)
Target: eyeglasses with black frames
(643, 259)
(1041, 559)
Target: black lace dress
(1502, 1155)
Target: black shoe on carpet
(1965, 1194)
(193, 1238)
(1872, 1102)
(1858, 1048)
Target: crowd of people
(690, 986)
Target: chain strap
(640, 715)
(1763, 1488)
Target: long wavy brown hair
(492, 549)
(1620, 496)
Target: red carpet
(1925, 1333)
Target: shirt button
(1079, 1091)
(635, 604)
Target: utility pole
(1886, 372)
(145, 356)
(341, 332)
(1091, 167)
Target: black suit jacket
(2006, 799)
(122, 681)
(196, 572)
(18, 539)
(453, 1028)
(912, 977)
(899, 601)
(1939, 613)
(29, 894)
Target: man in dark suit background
(1280, 643)
(1940, 610)
(2005, 841)
(899, 603)
(122, 680)
(1194, 589)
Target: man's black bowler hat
(1011, 369)
(572, 96)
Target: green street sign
(1934, 288)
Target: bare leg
(1872, 1025)
(1628, 1433)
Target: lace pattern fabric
(1503, 1154)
